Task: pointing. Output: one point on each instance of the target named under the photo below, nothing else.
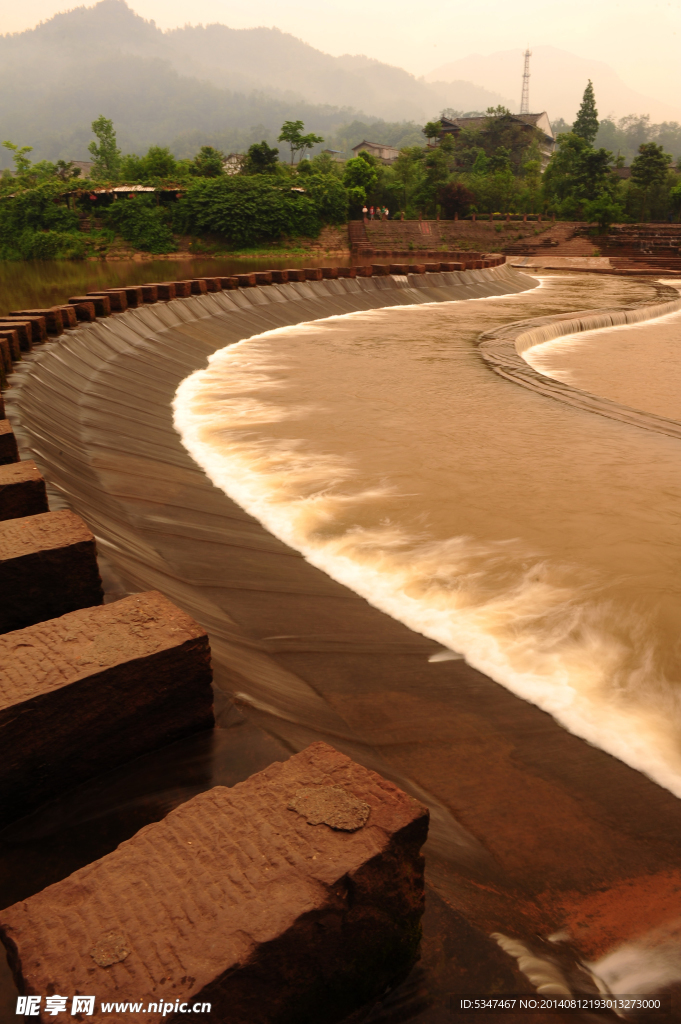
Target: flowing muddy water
(535, 539)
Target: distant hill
(557, 83)
(195, 85)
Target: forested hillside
(195, 86)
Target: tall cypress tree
(586, 125)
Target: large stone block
(291, 898)
(51, 317)
(87, 691)
(48, 566)
(118, 300)
(22, 490)
(5, 358)
(11, 336)
(133, 295)
(8, 444)
(101, 302)
(69, 317)
(38, 325)
(23, 329)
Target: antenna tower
(525, 99)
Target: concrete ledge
(22, 490)
(87, 691)
(267, 912)
(503, 350)
(48, 566)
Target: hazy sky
(640, 39)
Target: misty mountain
(195, 85)
(557, 83)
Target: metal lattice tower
(525, 99)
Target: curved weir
(522, 840)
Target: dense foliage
(494, 166)
(245, 210)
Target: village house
(385, 154)
(547, 142)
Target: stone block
(23, 329)
(22, 490)
(118, 300)
(246, 280)
(11, 336)
(101, 303)
(38, 325)
(213, 284)
(347, 271)
(399, 268)
(8, 449)
(85, 311)
(291, 898)
(48, 566)
(5, 357)
(52, 318)
(229, 283)
(313, 273)
(183, 289)
(69, 317)
(133, 295)
(279, 276)
(165, 291)
(380, 269)
(149, 293)
(329, 273)
(432, 268)
(417, 268)
(263, 277)
(364, 270)
(94, 688)
(296, 275)
(198, 286)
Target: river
(536, 540)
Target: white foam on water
(542, 630)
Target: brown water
(538, 540)
(38, 284)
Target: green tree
(586, 124)
(649, 171)
(361, 172)
(107, 155)
(22, 162)
(260, 159)
(604, 210)
(65, 171)
(160, 162)
(292, 132)
(432, 129)
(208, 163)
(651, 165)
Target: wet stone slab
(87, 691)
(48, 567)
(236, 900)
